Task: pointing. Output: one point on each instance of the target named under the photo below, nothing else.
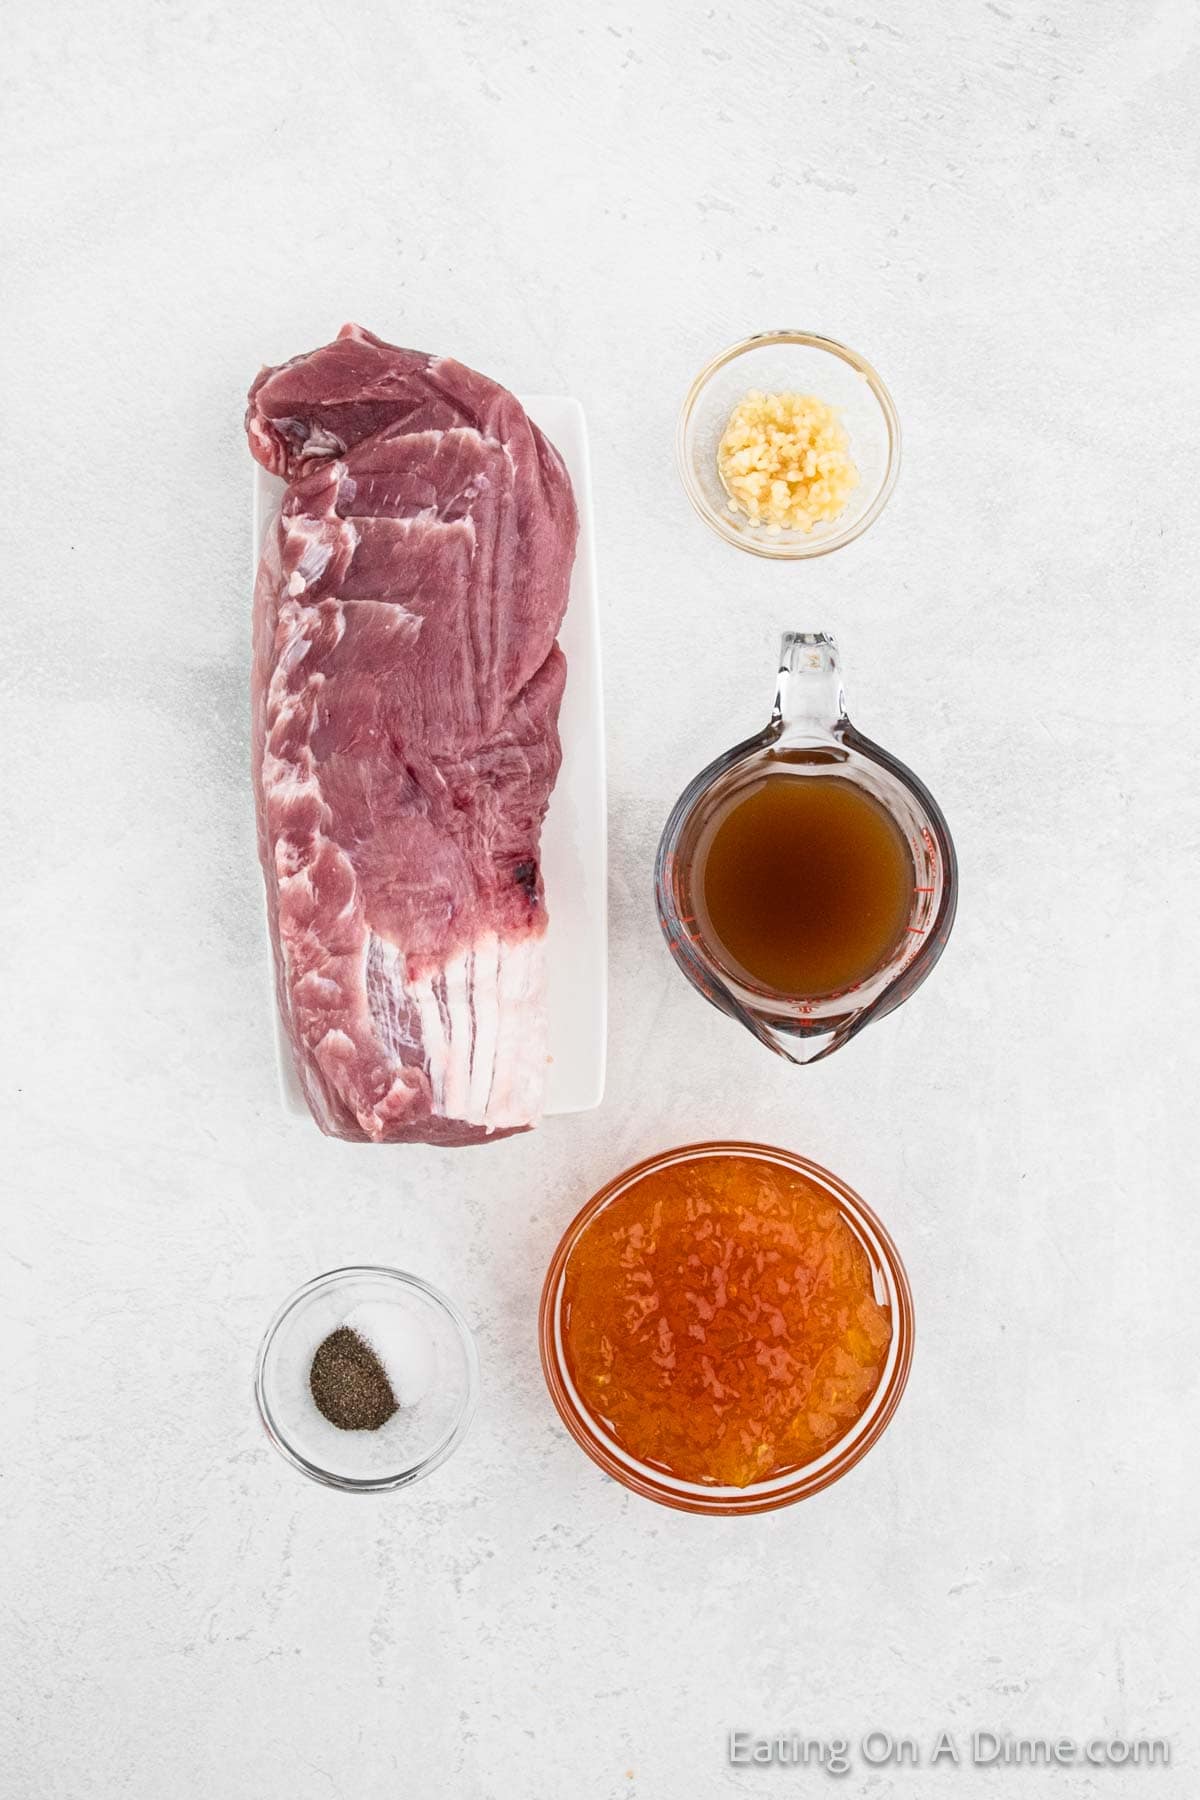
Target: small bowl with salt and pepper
(367, 1379)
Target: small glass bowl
(789, 362)
(891, 1289)
(416, 1439)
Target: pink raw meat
(406, 687)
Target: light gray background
(996, 203)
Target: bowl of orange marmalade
(726, 1328)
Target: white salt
(402, 1345)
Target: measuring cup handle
(810, 702)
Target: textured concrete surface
(996, 203)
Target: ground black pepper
(348, 1383)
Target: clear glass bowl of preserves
(777, 362)
(675, 1411)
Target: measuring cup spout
(803, 1042)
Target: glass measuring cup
(808, 735)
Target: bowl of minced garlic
(788, 444)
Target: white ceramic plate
(574, 841)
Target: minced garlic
(785, 461)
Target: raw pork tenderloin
(406, 687)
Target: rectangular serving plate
(574, 837)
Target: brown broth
(804, 884)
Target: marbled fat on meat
(406, 687)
